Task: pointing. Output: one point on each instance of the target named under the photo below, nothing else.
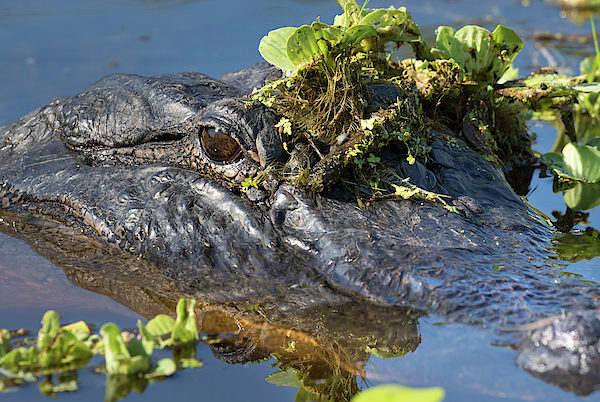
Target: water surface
(59, 48)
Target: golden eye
(220, 147)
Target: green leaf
(80, 329)
(4, 342)
(185, 328)
(153, 333)
(443, 40)
(18, 357)
(117, 356)
(471, 49)
(398, 393)
(164, 368)
(582, 162)
(583, 196)
(352, 14)
(149, 341)
(67, 349)
(313, 42)
(273, 48)
(508, 43)
(287, 378)
(589, 87)
(393, 25)
(577, 162)
(307, 396)
(510, 74)
(356, 34)
(160, 325)
(49, 331)
(484, 55)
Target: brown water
(58, 48)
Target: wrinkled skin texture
(124, 169)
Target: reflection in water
(323, 346)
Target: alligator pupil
(220, 147)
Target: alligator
(151, 169)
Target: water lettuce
(577, 162)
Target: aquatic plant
(63, 349)
(398, 393)
(331, 69)
(465, 85)
(577, 162)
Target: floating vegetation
(348, 100)
(128, 365)
(577, 162)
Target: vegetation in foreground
(59, 352)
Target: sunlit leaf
(185, 328)
(306, 396)
(510, 74)
(593, 87)
(164, 368)
(4, 342)
(160, 325)
(508, 42)
(444, 38)
(393, 25)
(583, 196)
(149, 341)
(582, 162)
(50, 328)
(273, 48)
(68, 348)
(578, 162)
(19, 357)
(483, 54)
(313, 42)
(117, 356)
(80, 329)
(398, 393)
(356, 34)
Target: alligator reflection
(322, 346)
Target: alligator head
(153, 167)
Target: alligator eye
(220, 147)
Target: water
(53, 49)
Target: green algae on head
(344, 93)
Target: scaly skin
(124, 163)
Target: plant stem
(597, 58)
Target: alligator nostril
(220, 147)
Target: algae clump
(344, 99)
